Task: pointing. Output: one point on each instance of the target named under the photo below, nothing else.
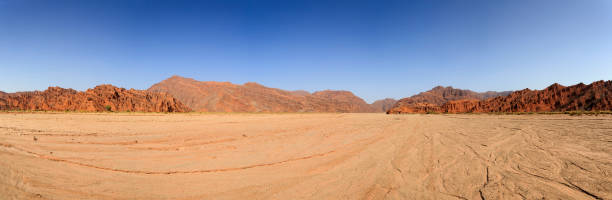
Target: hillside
(383, 105)
(594, 96)
(431, 100)
(100, 98)
(209, 96)
(591, 97)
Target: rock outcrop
(383, 105)
(430, 101)
(100, 98)
(208, 96)
(596, 96)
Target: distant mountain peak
(439, 87)
(213, 96)
(383, 105)
(440, 95)
(177, 77)
(555, 86)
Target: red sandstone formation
(252, 97)
(355, 103)
(596, 96)
(100, 98)
(383, 105)
(431, 100)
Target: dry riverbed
(304, 156)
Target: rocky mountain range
(436, 97)
(179, 94)
(594, 96)
(100, 98)
(209, 96)
(591, 97)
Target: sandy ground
(304, 156)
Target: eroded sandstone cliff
(430, 101)
(100, 98)
(596, 96)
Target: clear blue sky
(375, 49)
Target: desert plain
(304, 156)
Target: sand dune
(304, 156)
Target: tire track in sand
(52, 158)
(368, 141)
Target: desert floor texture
(304, 156)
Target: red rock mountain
(355, 103)
(100, 98)
(434, 98)
(252, 97)
(595, 96)
(383, 105)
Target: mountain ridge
(97, 99)
(210, 96)
(421, 102)
(180, 94)
(556, 97)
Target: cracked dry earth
(304, 156)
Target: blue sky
(375, 49)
